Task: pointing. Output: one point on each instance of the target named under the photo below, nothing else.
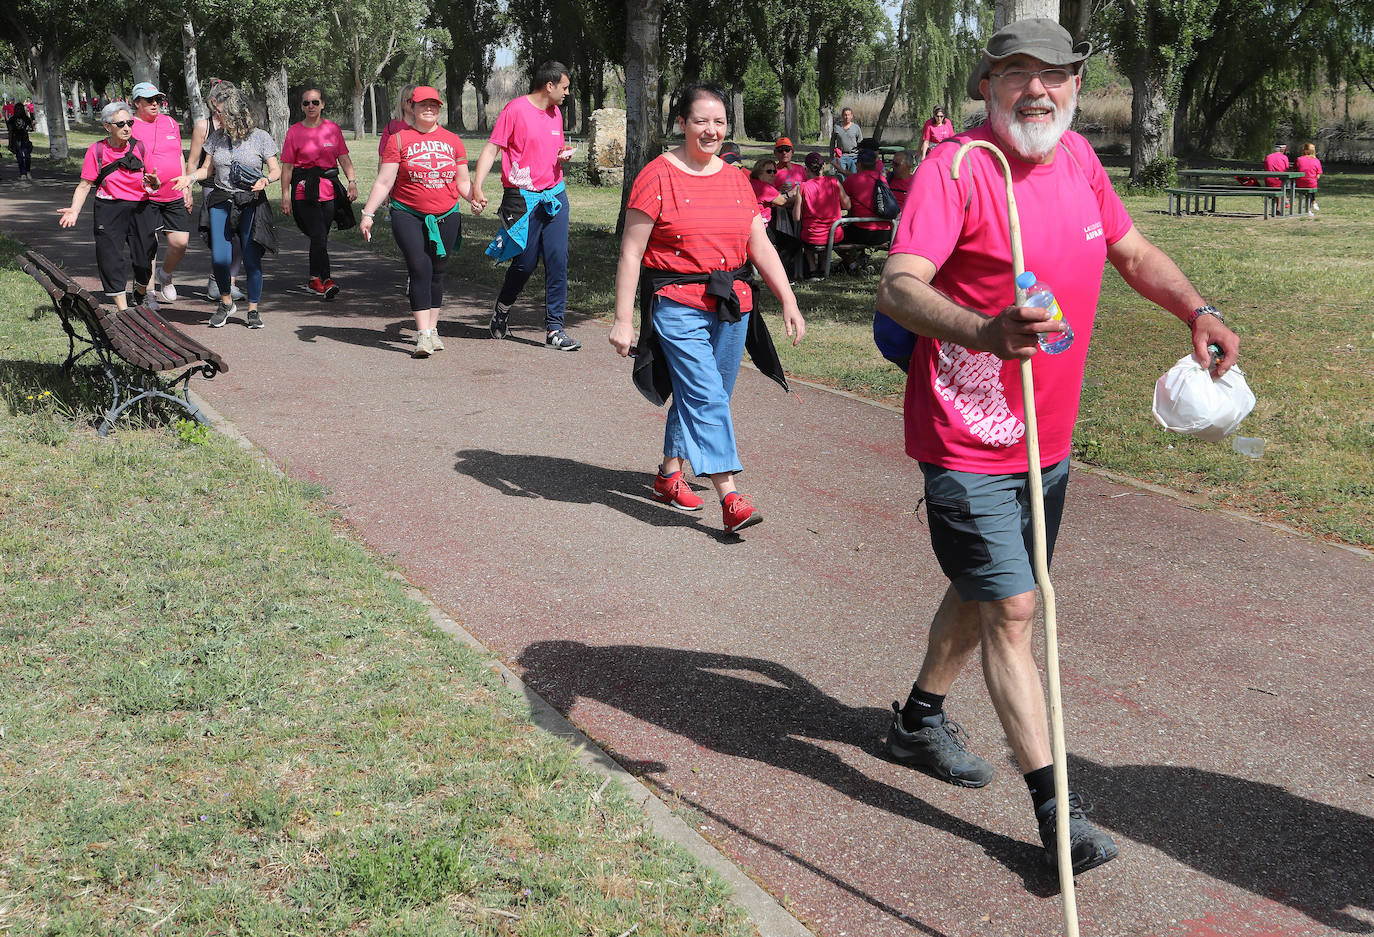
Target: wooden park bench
(1200, 199)
(164, 358)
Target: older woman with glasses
(424, 171)
(311, 158)
(124, 233)
(241, 159)
(763, 180)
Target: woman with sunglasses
(937, 128)
(114, 168)
(311, 158)
(763, 180)
(425, 172)
(241, 159)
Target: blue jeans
(24, 153)
(548, 238)
(222, 249)
(703, 353)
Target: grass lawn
(1292, 289)
(220, 715)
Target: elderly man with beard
(948, 280)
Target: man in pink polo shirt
(529, 136)
(949, 281)
(160, 135)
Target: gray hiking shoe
(1088, 846)
(940, 751)
(221, 315)
(500, 321)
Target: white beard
(1031, 142)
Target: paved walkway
(1217, 676)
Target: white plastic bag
(1187, 400)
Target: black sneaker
(940, 751)
(500, 321)
(254, 320)
(559, 340)
(1089, 846)
(221, 315)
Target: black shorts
(171, 215)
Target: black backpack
(884, 202)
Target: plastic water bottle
(1039, 296)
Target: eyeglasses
(1020, 77)
(121, 123)
(782, 149)
(311, 103)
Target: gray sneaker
(500, 321)
(221, 315)
(1089, 846)
(940, 751)
(559, 340)
(253, 320)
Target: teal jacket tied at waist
(509, 242)
(431, 223)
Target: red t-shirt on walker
(701, 224)
(427, 179)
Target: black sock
(1040, 782)
(920, 705)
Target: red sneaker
(674, 491)
(331, 289)
(737, 513)
(315, 286)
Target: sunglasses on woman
(311, 103)
(121, 123)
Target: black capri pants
(123, 228)
(425, 266)
(314, 218)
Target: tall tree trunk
(1076, 16)
(791, 88)
(1009, 11)
(479, 90)
(642, 96)
(49, 95)
(827, 122)
(190, 52)
(357, 96)
(894, 85)
(1150, 130)
(372, 104)
(454, 74)
(737, 112)
(142, 51)
(278, 110)
(569, 113)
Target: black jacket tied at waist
(264, 233)
(310, 177)
(651, 375)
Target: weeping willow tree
(938, 44)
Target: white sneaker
(169, 289)
(424, 346)
(235, 293)
(212, 290)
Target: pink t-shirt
(859, 185)
(934, 132)
(531, 139)
(900, 188)
(1311, 168)
(963, 408)
(764, 194)
(1275, 162)
(120, 184)
(820, 208)
(161, 140)
(793, 174)
(314, 148)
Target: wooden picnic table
(1200, 188)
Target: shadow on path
(1255, 836)
(753, 708)
(572, 482)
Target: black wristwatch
(1200, 311)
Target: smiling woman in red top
(693, 220)
(425, 171)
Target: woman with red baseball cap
(425, 172)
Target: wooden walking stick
(1039, 557)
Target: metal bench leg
(151, 389)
